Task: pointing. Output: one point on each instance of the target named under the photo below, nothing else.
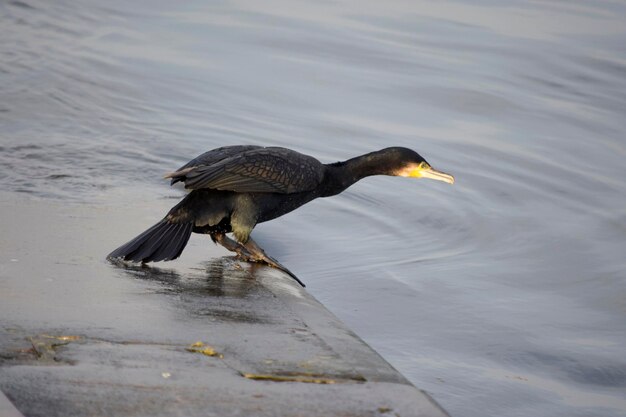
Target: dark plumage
(236, 187)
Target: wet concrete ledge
(225, 339)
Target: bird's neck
(342, 175)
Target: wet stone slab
(80, 337)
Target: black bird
(236, 187)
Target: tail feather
(146, 251)
(162, 242)
(170, 247)
(183, 239)
(132, 245)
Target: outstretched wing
(269, 170)
(209, 158)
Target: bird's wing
(209, 158)
(263, 170)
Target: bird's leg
(232, 246)
(260, 256)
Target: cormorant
(236, 187)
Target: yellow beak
(424, 170)
(433, 174)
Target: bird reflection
(219, 277)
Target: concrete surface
(81, 337)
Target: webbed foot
(251, 252)
(260, 256)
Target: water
(502, 295)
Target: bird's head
(408, 163)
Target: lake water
(503, 295)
